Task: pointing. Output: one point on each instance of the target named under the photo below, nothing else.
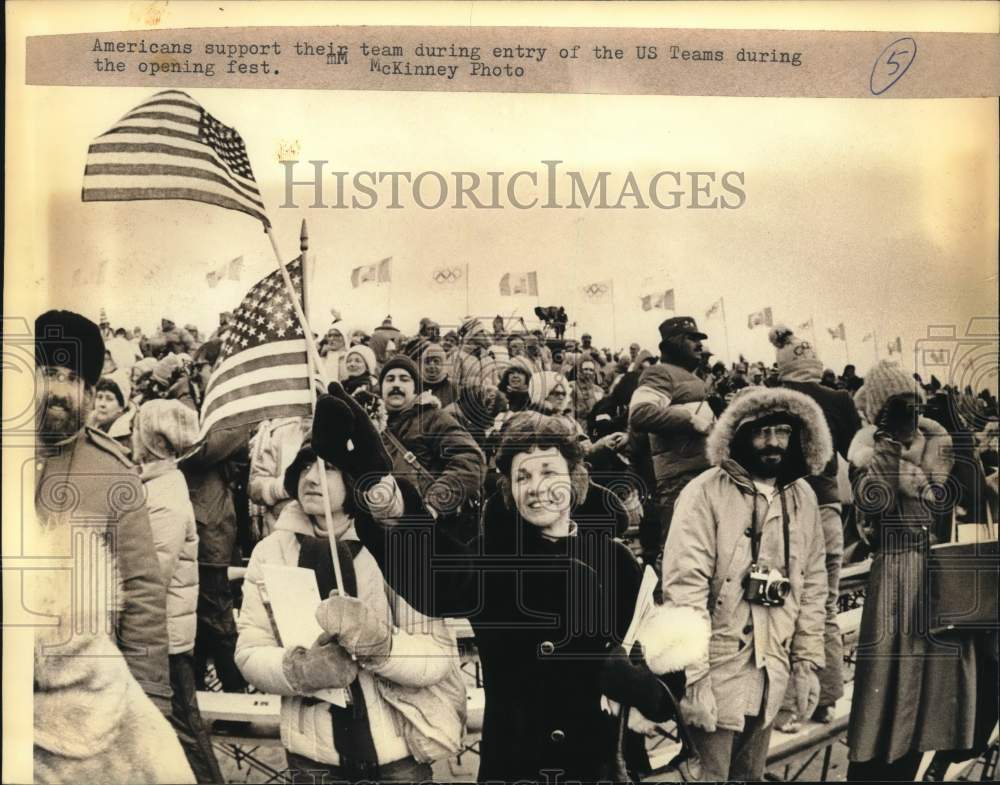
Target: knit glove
(805, 682)
(357, 627)
(322, 665)
(698, 706)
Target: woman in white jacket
(385, 654)
(163, 430)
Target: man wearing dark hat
(105, 488)
(427, 445)
(670, 406)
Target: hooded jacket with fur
(708, 556)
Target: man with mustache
(426, 444)
(746, 549)
(84, 465)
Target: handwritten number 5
(894, 61)
(895, 64)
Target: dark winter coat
(662, 406)
(843, 420)
(450, 456)
(445, 391)
(541, 656)
(208, 473)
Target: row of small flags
(262, 370)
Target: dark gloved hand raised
(368, 461)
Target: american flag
(170, 148)
(262, 371)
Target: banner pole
(314, 364)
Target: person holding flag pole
(212, 168)
(256, 374)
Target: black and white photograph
(570, 393)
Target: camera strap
(757, 531)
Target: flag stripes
(282, 381)
(169, 147)
(262, 370)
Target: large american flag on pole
(262, 370)
(169, 147)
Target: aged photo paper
(826, 168)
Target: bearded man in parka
(752, 513)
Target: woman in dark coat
(549, 602)
(913, 691)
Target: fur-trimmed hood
(927, 461)
(755, 403)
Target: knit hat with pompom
(796, 358)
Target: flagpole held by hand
(313, 357)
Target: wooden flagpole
(313, 359)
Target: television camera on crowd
(554, 318)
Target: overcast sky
(879, 214)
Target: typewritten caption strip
(531, 60)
